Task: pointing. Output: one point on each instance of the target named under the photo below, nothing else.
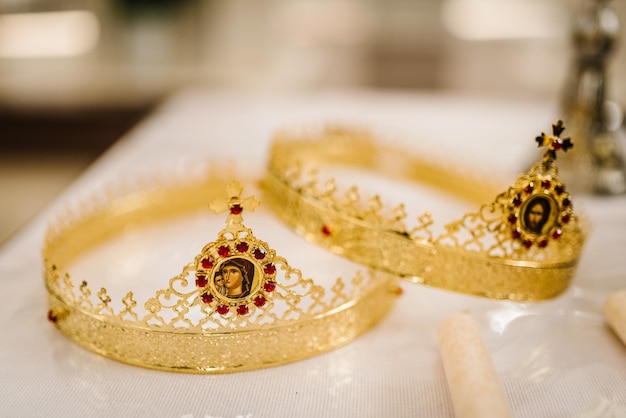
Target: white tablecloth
(555, 358)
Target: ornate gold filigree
(193, 325)
(500, 251)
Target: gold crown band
(493, 253)
(231, 334)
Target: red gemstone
(201, 281)
(236, 209)
(527, 243)
(529, 189)
(207, 298)
(242, 247)
(259, 254)
(516, 234)
(326, 230)
(52, 317)
(546, 184)
(512, 218)
(269, 269)
(566, 218)
(517, 201)
(543, 243)
(223, 251)
(557, 234)
(567, 203)
(222, 309)
(559, 189)
(242, 310)
(207, 263)
(259, 301)
(557, 144)
(269, 286)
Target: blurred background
(76, 75)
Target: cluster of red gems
(564, 209)
(224, 251)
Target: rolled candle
(472, 380)
(615, 313)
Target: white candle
(615, 313)
(472, 380)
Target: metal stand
(597, 163)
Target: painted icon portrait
(539, 214)
(218, 280)
(236, 278)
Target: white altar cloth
(555, 358)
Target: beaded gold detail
(237, 306)
(523, 245)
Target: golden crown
(237, 306)
(523, 245)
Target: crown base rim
(268, 347)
